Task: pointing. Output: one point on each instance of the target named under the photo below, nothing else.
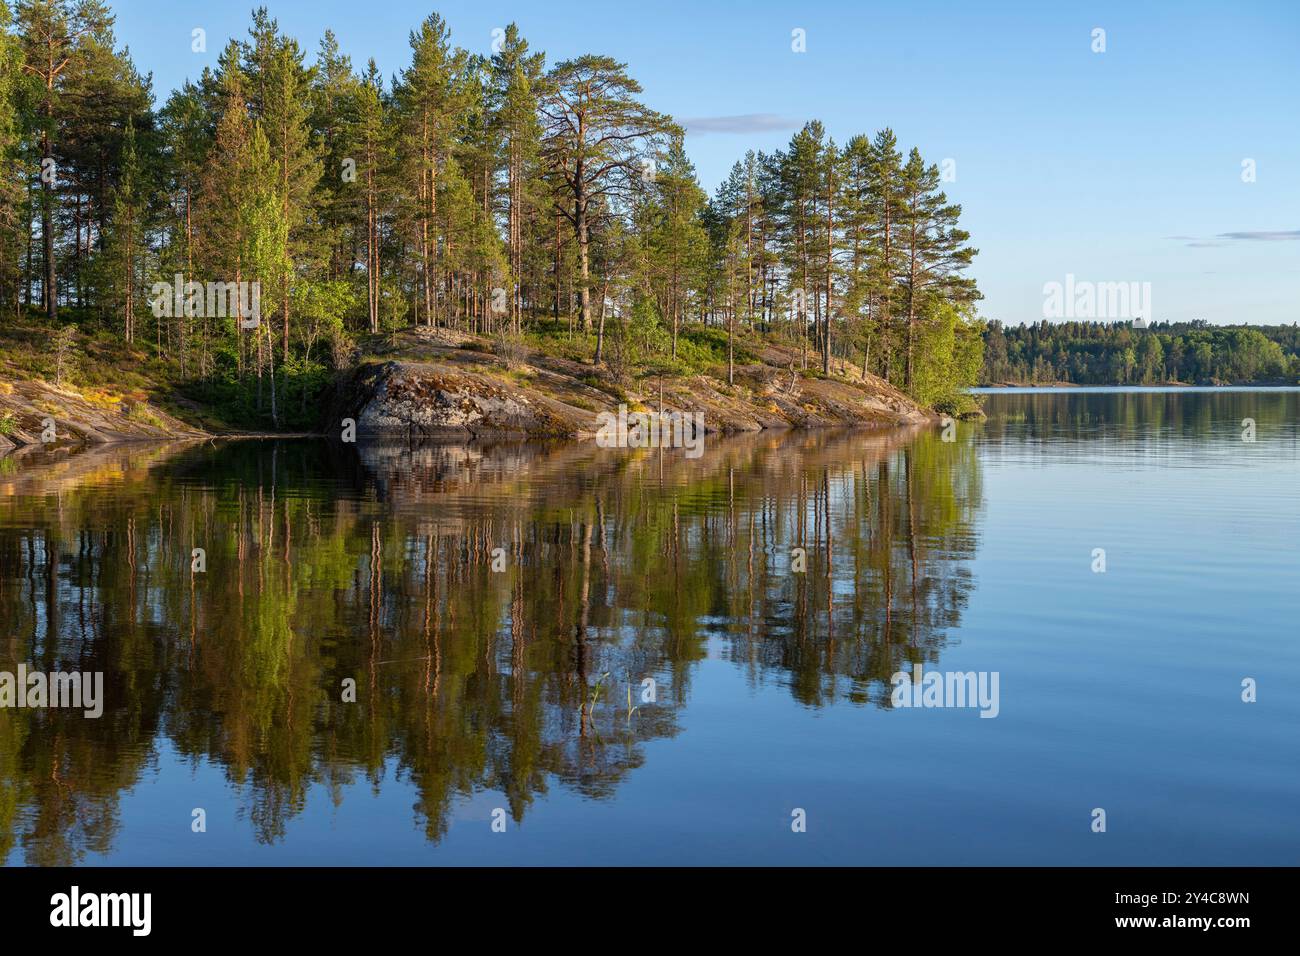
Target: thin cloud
(742, 123)
(1276, 236)
(1207, 242)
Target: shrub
(63, 351)
(510, 347)
(142, 413)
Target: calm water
(520, 690)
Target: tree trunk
(911, 310)
(600, 326)
(275, 414)
(27, 269)
(556, 309)
(128, 284)
(47, 227)
(584, 263)
(731, 349)
(830, 256)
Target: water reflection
(821, 563)
(1067, 415)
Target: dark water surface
(521, 690)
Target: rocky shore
(441, 390)
(439, 385)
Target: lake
(561, 654)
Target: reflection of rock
(530, 473)
(44, 469)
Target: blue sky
(1122, 166)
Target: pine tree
(596, 136)
(227, 190)
(54, 37)
(265, 253)
(678, 240)
(125, 244)
(478, 192)
(885, 200)
(856, 200)
(187, 133)
(831, 178)
(736, 270)
(429, 98)
(802, 221)
(100, 98)
(739, 200)
(476, 150)
(517, 77)
(371, 143)
(282, 107)
(12, 222)
(335, 99)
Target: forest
(1116, 353)
(536, 205)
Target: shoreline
(1204, 386)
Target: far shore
(990, 386)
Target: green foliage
(1096, 353)
(322, 307)
(643, 329)
(703, 349)
(487, 194)
(248, 680)
(950, 351)
(142, 413)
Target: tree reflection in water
(327, 563)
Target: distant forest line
(1116, 353)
